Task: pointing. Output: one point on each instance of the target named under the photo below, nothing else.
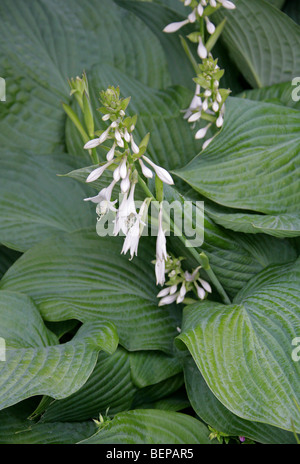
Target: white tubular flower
(161, 252)
(227, 4)
(134, 146)
(195, 116)
(213, 3)
(111, 153)
(201, 133)
(123, 168)
(145, 170)
(200, 9)
(116, 174)
(196, 103)
(162, 173)
(106, 117)
(104, 194)
(192, 16)
(134, 232)
(200, 291)
(209, 26)
(206, 143)
(92, 144)
(164, 292)
(174, 27)
(125, 184)
(205, 285)
(220, 121)
(173, 289)
(96, 173)
(187, 2)
(215, 106)
(126, 135)
(168, 299)
(201, 50)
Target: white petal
(145, 170)
(123, 168)
(160, 271)
(134, 146)
(92, 144)
(201, 133)
(215, 106)
(220, 121)
(125, 184)
(228, 5)
(195, 116)
(209, 26)
(200, 9)
(168, 299)
(173, 289)
(96, 173)
(106, 117)
(164, 292)
(200, 292)
(111, 153)
(206, 143)
(173, 27)
(161, 172)
(201, 50)
(205, 285)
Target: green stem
(192, 250)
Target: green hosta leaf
(214, 413)
(7, 258)
(254, 28)
(35, 203)
(150, 396)
(50, 42)
(84, 276)
(35, 363)
(282, 225)
(151, 427)
(234, 257)
(292, 8)
(282, 94)
(156, 17)
(148, 368)
(108, 388)
(244, 350)
(17, 429)
(252, 164)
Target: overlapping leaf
(244, 350)
(35, 363)
(84, 276)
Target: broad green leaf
(262, 41)
(17, 429)
(151, 427)
(277, 3)
(234, 257)
(109, 389)
(36, 203)
(282, 94)
(214, 413)
(253, 163)
(83, 276)
(245, 350)
(156, 16)
(281, 225)
(35, 363)
(150, 396)
(148, 368)
(50, 42)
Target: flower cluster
(181, 282)
(208, 101)
(124, 157)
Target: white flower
(96, 173)
(195, 116)
(196, 103)
(220, 121)
(161, 251)
(201, 50)
(168, 299)
(227, 4)
(200, 291)
(125, 184)
(162, 173)
(134, 232)
(104, 194)
(164, 292)
(201, 133)
(207, 142)
(123, 168)
(205, 285)
(111, 153)
(126, 213)
(134, 146)
(209, 26)
(145, 170)
(173, 27)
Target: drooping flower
(161, 251)
(162, 173)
